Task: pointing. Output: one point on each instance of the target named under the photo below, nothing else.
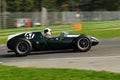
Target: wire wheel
(23, 47)
(83, 43)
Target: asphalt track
(105, 56)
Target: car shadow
(13, 55)
(52, 52)
(8, 56)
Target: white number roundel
(29, 35)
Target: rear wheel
(23, 47)
(83, 43)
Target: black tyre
(23, 47)
(83, 43)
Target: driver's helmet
(47, 32)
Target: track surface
(107, 49)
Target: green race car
(25, 43)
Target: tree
(61, 5)
(49, 4)
(23, 5)
(111, 5)
(99, 5)
(91, 5)
(38, 5)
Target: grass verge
(14, 73)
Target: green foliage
(22, 5)
(14, 73)
(100, 5)
(49, 4)
(111, 5)
(92, 5)
(84, 5)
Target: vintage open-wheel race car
(25, 43)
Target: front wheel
(23, 47)
(83, 43)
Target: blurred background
(31, 13)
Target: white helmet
(47, 31)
